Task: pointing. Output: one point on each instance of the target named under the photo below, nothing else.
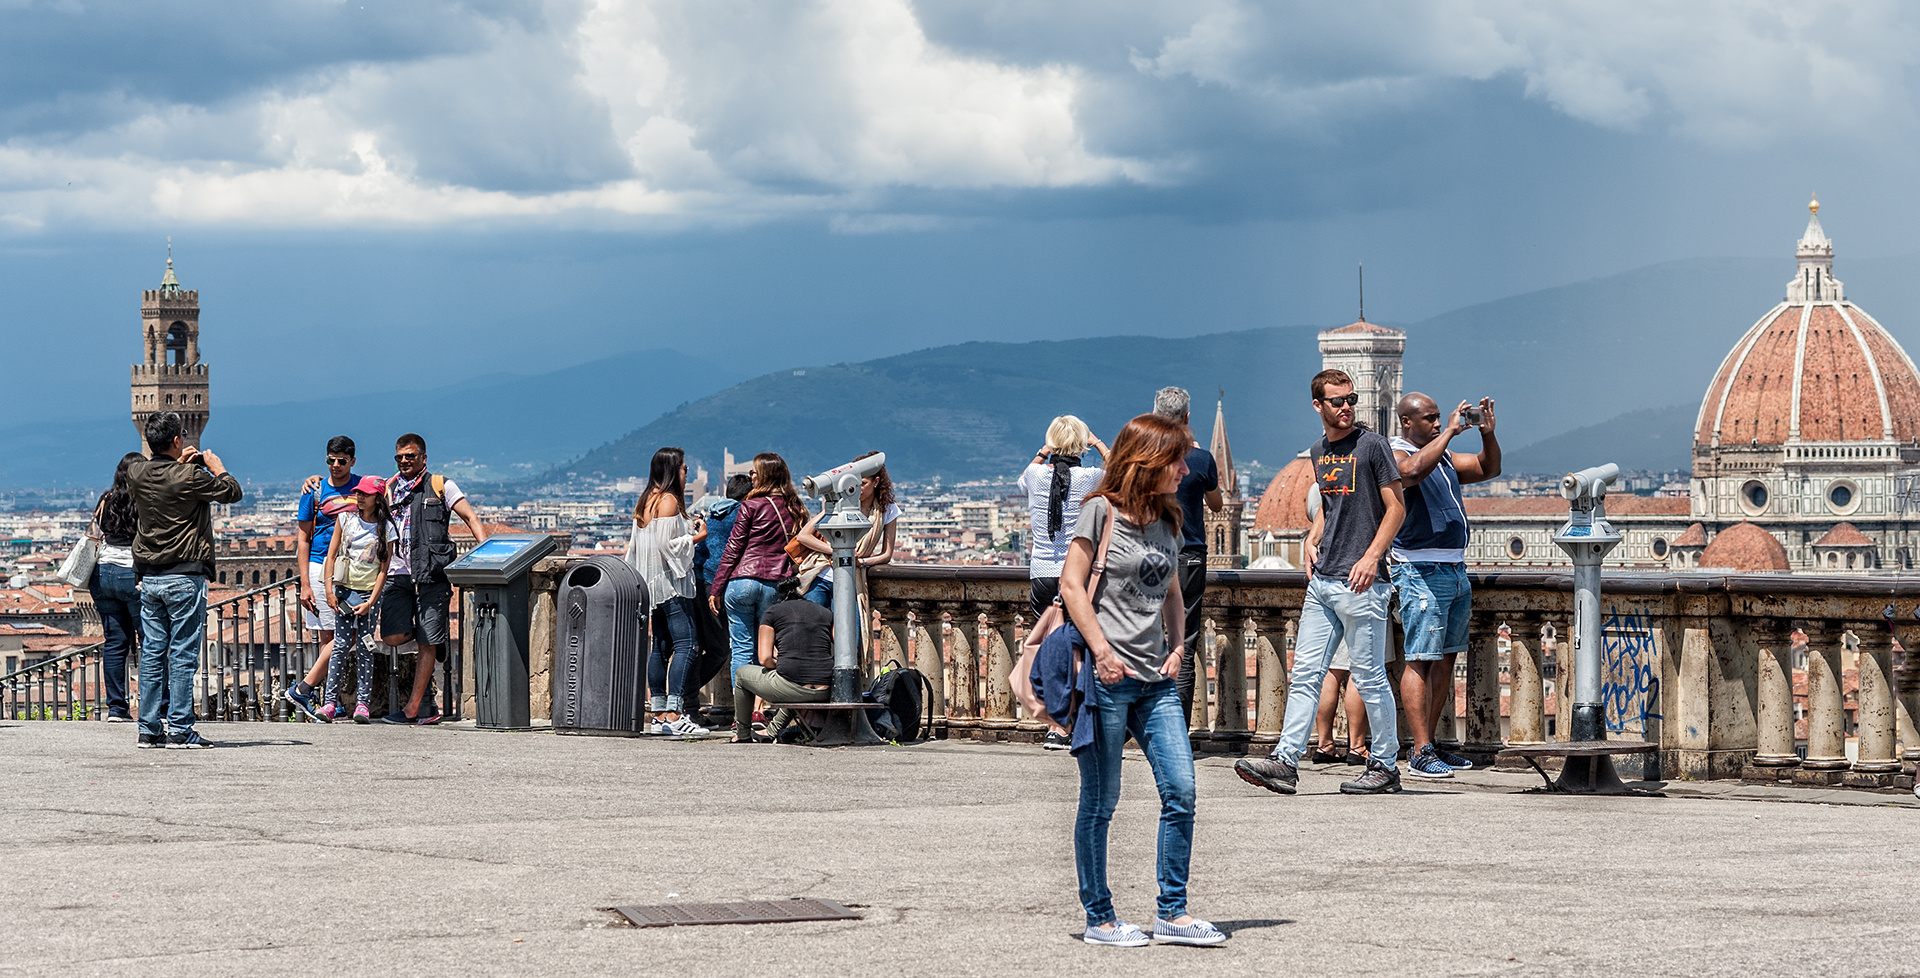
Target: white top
(892, 513)
(117, 556)
(1048, 556)
(662, 551)
(358, 564)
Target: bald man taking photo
(1429, 562)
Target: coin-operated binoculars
(842, 524)
(1587, 537)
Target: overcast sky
(524, 185)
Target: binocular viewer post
(1587, 537)
(842, 524)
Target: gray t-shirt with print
(1133, 592)
(1350, 473)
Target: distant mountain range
(1605, 370)
(499, 427)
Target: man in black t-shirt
(1361, 509)
(1201, 485)
(796, 657)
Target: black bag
(902, 704)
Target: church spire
(1222, 452)
(1814, 282)
(168, 284)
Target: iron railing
(68, 686)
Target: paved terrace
(375, 850)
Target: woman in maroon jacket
(754, 560)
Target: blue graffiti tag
(1630, 678)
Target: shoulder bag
(77, 569)
(1051, 619)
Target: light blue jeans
(746, 602)
(173, 626)
(1333, 612)
(1151, 713)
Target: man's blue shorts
(1435, 603)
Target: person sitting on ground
(796, 657)
(353, 575)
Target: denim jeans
(352, 632)
(1333, 612)
(173, 626)
(674, 651)
(747, 602)
(1151, 713)
(118, 602)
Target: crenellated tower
(171, 378)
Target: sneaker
(191, 740)
(685, 727)
(1377, 779)
(398, 719)
(1268, 772)
(152, 740)
(661, 728)
(1198, 933)
(326, 713)
(361, 714)
(1121, 934)
(1056, 740)
(119, 718)
(301, 696)
(1454, 761)
(1427, 764)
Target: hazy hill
(1659, 439)
(1556, 360)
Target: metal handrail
(49, 690)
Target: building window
(256, 577)
(1516, 548)
(1659, 548)
(1753, 497)
(1843, 497)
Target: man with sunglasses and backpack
(413, 608)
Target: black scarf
(1057, 495)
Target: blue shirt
(322, 522)
(1202, 477)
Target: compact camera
(1472, 416)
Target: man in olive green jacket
(172, 560)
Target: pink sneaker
(328, 712)
(360, 714)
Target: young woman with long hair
(1133, 629)
(354, 575)
(874, 548)
(754, 560)
(113, 590)
(661, 550)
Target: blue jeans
(115, 597)
(1333, 612)
(1151, 713)
(353, 633)
(173, 626)
(746, 602)
(821, 593)
(1436, 601)
(674, 652)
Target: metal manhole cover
(749, 912)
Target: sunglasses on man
(1346, 401)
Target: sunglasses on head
(1344, 401)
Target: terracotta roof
(14, 628)
(1284, 505)
(56, 643)
(458, 528)
(1696, 536)
(1362, 326)
(1845, 535)
(1554, 505)
(1834, 351)
(1745, 547)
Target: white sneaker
(661, 728)
(685, 727)
(1121, 934)
(1198, 933)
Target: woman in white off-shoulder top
(661, 549)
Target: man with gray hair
(1202, 482)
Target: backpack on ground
(902, 701)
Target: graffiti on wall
(1629, 671)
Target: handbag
(77, 569)
(807, 562)
(1021, 678)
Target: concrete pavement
(377, 850)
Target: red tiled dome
(1284, 505)
(1816, 367)
(1744, 547)
(1696, 536)
(1844, 535)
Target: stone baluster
(1907, 711)
(963, 660)
(1230, 678)
(1197, 726)
(1270, 689)
(1875, 761)
(1563, 682)
(1526, 701)
(1483, 690)
(924, 629)
(1003, 644)
(1774, 704)
(1826, 705)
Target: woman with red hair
(1132, 622)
